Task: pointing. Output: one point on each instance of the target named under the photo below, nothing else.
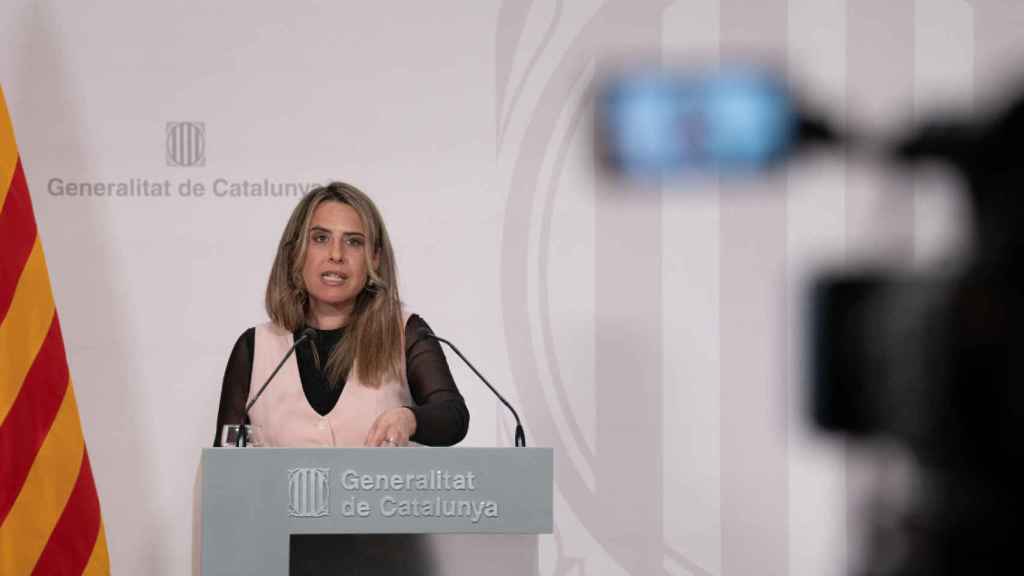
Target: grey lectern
(367, 511)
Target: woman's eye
(319, 238)
(355, 242)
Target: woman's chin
(332, 299)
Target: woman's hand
(392, 428)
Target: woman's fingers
(392, 428)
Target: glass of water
(229, 435)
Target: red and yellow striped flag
(49, 512)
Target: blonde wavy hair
(373, 340)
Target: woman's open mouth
(333, 278)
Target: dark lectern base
(360, 555)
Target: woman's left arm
(442, 418)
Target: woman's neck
(325, 317)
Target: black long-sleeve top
(442, 418)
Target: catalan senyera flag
(49, 512)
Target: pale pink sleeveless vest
(282, 417)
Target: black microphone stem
(242, 437)
(520, 438)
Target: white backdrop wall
(652, 337)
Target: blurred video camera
(934, 364)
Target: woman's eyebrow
(317, 228)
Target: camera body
(931, 364)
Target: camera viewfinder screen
(653, 124)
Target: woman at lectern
(366, 374)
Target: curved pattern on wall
(608, 473)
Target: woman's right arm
(235, 390)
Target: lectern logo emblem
(308, 492)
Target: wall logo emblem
(308, 492)
(186, 144)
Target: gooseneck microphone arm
(520, 437)
(242, 438)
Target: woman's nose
(337, 253)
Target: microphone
(520, 436)
(242, 437)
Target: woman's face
(335, 268)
